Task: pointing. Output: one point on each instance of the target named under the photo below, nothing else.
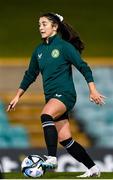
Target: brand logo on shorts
(55, 53)
(58, 95)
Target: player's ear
(55, 27)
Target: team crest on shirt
(55, 53)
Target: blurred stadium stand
(27, 115)
(27, 112)
(11, 136)
(88, 121)
(18, 38)
(97, 121)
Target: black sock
(50, 134)
(78, 152)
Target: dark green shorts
(69, 99)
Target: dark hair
(66, 31)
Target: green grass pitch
(56, 175)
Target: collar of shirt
(50, 40)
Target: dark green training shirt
(54, 61)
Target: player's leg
(74, 148)
(53, 109)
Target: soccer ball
(32, 166)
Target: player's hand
(97, 98)
(13, 103)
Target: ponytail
(68, 34)
(65, 30)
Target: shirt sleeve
(73, 56)
(31, 73)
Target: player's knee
(49, 112)
(46, 120)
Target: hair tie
(60, 17)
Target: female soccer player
(60, 48)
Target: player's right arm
(15, 100)
(29, 77)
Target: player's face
(46, 27)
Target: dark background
(93, 19)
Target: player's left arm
(94, 95)
(73, 56)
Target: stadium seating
(3, 117)
(11, 136)
(96, 120)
